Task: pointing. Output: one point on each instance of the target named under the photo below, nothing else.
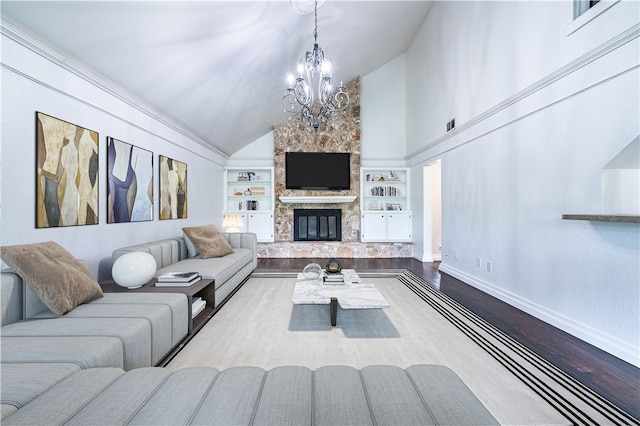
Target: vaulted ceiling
(217, 68)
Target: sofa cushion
(218, 268)
(292, 395)
(11, 298)
(57, 405)
(208, 241)
(158, 317)
(232, 398)
(134, 333)
(84, 351)
(176, 302)
(165, 252)
(59, 279)
(21, 383)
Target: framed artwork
(130, 182)
(173, 189)
(67, 173)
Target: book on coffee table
(178, 276)
(335, 278)
(178, 279)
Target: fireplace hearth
(317, 225)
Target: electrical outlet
(489, 267)
(479, 262)
(456, 255)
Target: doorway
(432, 208)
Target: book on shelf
(178, 283)
(178, 276)
(197, 307)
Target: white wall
(259, 153)
(538, 114)
(36, 79)
(382, 114)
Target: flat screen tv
(317, 170)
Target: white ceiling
(218, 68)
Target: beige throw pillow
(58, 278)
(208, 241)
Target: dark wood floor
(614, 379)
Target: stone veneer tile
(308, 249)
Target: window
(581, 6)
(584, 11)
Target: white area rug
(259, 326)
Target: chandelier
(314, 70)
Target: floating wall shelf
(604, 217)
(318, 199)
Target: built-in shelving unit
(384, 189)
(385, 204)
(621, 218)
(249, 193)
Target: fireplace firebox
(317, 225)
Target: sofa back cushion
(166, 252)
(11, 298)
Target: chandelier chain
(315, 29)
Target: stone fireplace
(317, 225)
(339, 135)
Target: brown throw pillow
(208, 241)
(58, 278)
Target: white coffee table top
(351, 295)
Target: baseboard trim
(615, 347)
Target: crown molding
(102, 83)
(584, 60)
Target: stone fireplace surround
(341, 135)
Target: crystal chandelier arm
(298, 97)
(340, 100)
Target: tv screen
(317, 170)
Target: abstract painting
(173, 189)
(67, 173)
(130, 182)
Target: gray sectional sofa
(229, 271)
(93, 365)
(125, 331)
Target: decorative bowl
(312, 271)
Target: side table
(205, 288)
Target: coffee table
(353, 294)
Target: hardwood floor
(614, 379)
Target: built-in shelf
(317, 199)
(603, 217)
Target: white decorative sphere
(133, 270)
